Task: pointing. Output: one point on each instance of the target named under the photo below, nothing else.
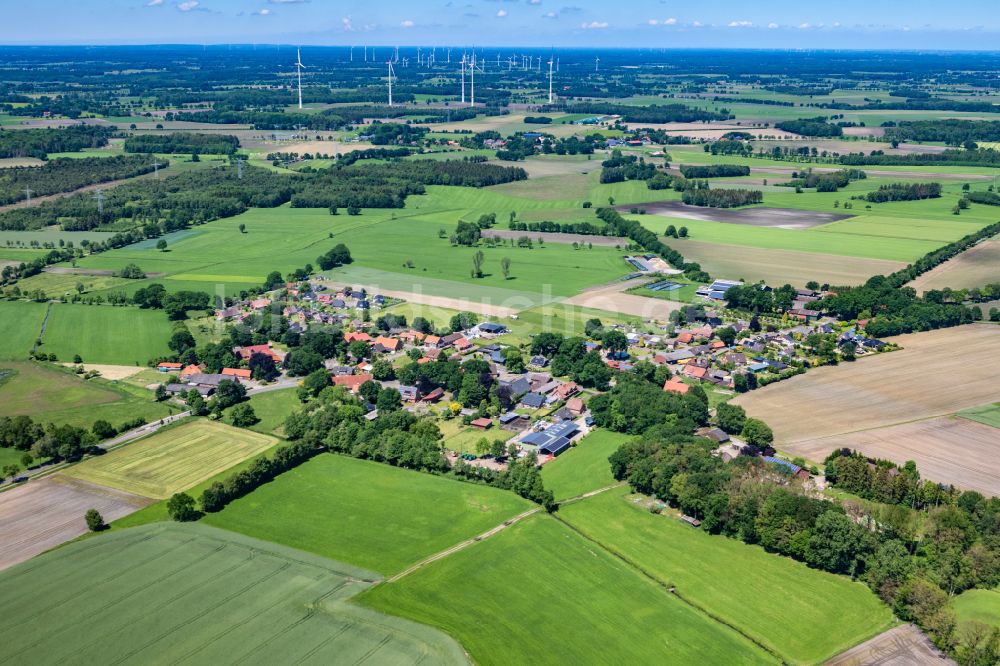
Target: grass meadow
(145, 595)
(174, 459)
(20, 324)
(53, 394)
(802, 614)
(979, 606)
(372, 515)
(106, 334)
(584, 467)
(539, 593)
(272, 408)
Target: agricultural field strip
(244, 584)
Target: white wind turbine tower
(463, 79)
(389, 63)
(472, 70)
(550, 79)
(299, 66)
(597, 64)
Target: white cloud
(263, 12)
(836, 24)
(741, 24)
(154, 3)
(501, 13)
(595, 25)
(346, 22)
(804, 26)
(188, 5)
(670, 21)
(697, 24)
(773, 26)
(406, 24)
(549, 15)
(534, 2)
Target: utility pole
(99, 195)
(28, 193)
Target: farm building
(554, 440)
(533, 400)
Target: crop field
(802, 614)
(58, 284)
(946, 449)
(975, 267)
(20, 324)
(174, 459)
(936, 374)
(45, 513)
(584, 467)
(58, 396)
(369, 514)
(145, 595)
(987, 414)
(977, 605)
(777, 267)
(488, 597)
(106, 334)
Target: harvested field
(610, 297)
(783, 218)
(975, 267)
(778, 266)
(947, 449)
(174, 459)
(900, 646)
(191, 594)
(936, 374)
(112, 372)
(44, 514)
(460, 304)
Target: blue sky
(855, 24)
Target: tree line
(654, 113)
(714, 170)
(811, 127)
(649, 241)
(68, 174)
(39, 143)
(183, 142)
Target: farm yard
(497, 616)
(44, 514)
(144, 594)
(374, 516)
(804, 615)
(173, 459)
(892, 390)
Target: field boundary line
(463, 544)
(671, 589)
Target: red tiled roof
(675, 385)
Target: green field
(376, 516)
(20, 324)
(106, 334)
(174, 459)
(585, 467)
(51, 394)
(272, 408)
(191, 594)
(977, 605)
(802, 614)
(537, 593)
(987, 414)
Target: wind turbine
(472, 70)
(550, 79)
(156, 170)
(27, 193)
(299, 66)
(463, 79)
(389, 63)
(239, 168)
(99, 195)
(597, 64)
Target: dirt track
(611, 298)
(904, 645)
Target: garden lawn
(369, 514)
(52, 394)
(20, 324)
(803, 614)
(106, 334)
(584, 467)
(538, 593)
(173, 459)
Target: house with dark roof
(553, 440)
(533, 400)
